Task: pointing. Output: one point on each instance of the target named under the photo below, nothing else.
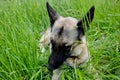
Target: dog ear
(87, 18)
(52, 14)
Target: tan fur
(56, 74)
(79, 51)
(79, 55)
(66, 34)
(68, 24)
(45, 38)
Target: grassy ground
(21, 21)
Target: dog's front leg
(56, 74)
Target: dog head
(64, 32)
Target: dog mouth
(58, 56)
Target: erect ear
(52, 14)
(87, 18)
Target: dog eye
(64, 44)
(52, 42)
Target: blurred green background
(21, 22)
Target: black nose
(50, 68)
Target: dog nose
(50, 68)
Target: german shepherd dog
(66, 38)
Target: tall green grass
(21, 21)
